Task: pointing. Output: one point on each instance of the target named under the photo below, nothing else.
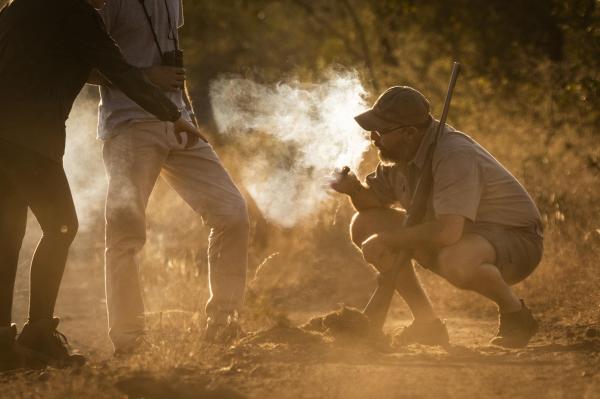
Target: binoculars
(173, 58)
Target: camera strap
(172, 31)
(151, 27)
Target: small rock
(585, 374)
(44, 376)
(591, 332)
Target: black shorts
(518, 249)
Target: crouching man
(482, 231)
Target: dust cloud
(315, 131)
(83, 159)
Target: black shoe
(425, 333)
(223, 328)
(9, 358)
(515, 328)
(41, 340)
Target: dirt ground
(284, 361)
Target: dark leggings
(28, 180)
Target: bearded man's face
(397, 146)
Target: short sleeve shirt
(128, 25)
(467, 181)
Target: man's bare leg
(411, 290)
(468, 264)
(367, 223)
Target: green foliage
(539, 48)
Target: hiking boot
(515, 328)
(424, 333)
(9, 358)
(40, 340)
(223, 328)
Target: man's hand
(181, 125)
(166, 77)
(345, 181)
(377, 253)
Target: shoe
(9, 358)
(40, 340)
(515, 329)
(139, 346)
(425, 333)
(223, 328)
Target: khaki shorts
(518, 249)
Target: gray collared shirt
(127, 24)
(467, 181)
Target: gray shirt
(127, 24)
(467, 181)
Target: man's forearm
(362, 198)
(428, 234)
(95, 47)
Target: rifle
(379, 303)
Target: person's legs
(474, 263)
(198, 175)
(133, 159)
(13, 221)
(469, 264)
(366, 223)
(55, 211)
(426, 328)
(43, 185)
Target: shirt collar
(426, 142)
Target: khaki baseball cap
(398, 106)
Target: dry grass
(311, 268)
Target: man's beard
(388, 158)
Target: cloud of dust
(314, 125)
(83, 159)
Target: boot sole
(34, 359)
(520, 344)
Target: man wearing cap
(482, 231)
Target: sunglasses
(378, 133)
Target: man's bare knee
(362, 226)
(370, 221)
(356, 228)
(453, 267)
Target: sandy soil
(284, 361)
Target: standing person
(137, 149)
(47, 51)
(483, 231)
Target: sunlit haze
(315, 119)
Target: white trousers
(134, 158)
